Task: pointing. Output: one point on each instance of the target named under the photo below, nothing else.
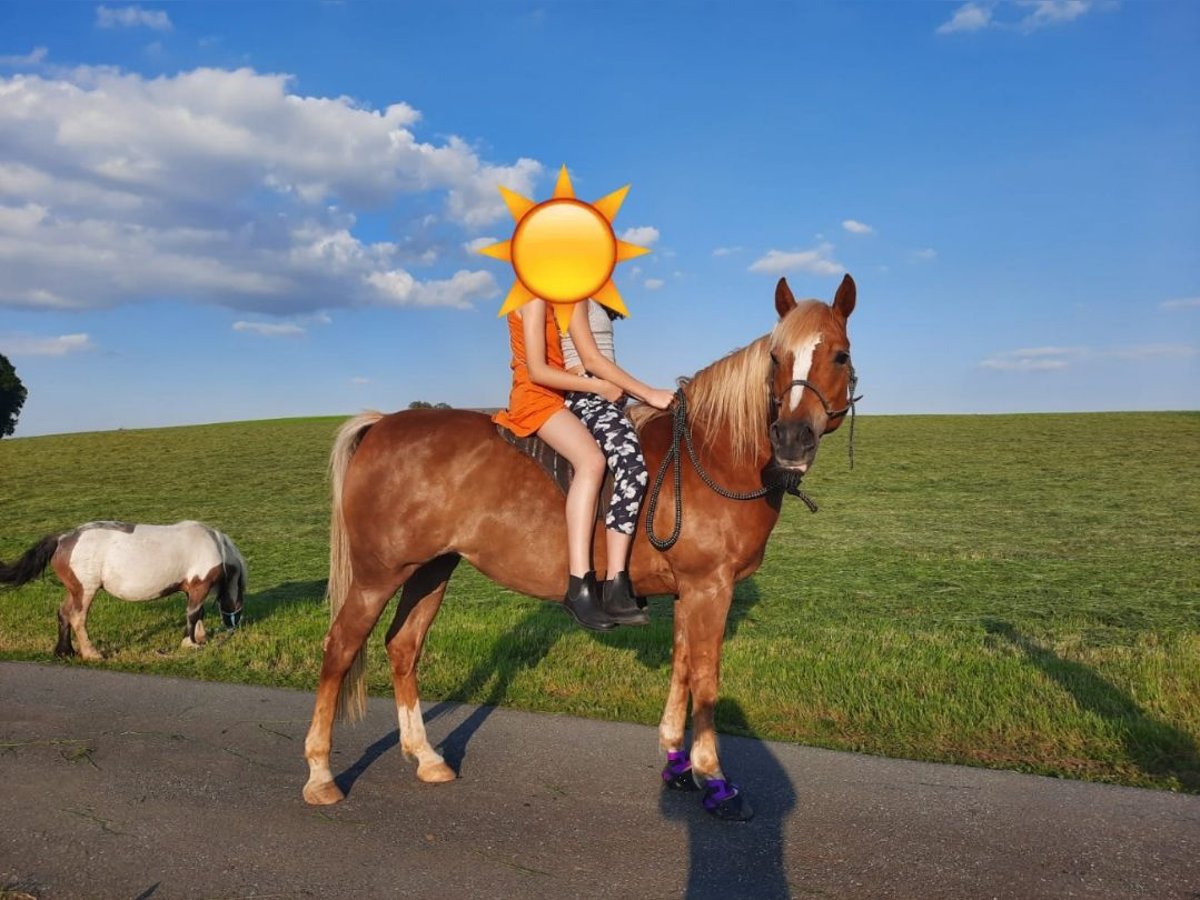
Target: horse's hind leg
(419, 604)
(64, 648)
(72, 614)
(77, 613)
(346, 637)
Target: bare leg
(566, 434)
(345, 638)
(617, 544)
(419, 604)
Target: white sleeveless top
(602, 331)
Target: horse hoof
(64, 652)
(677, 774)
(323, 793)
(435, 773)
(723, 800)
(188, 644)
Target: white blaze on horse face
(802, 357)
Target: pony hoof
(323, 793)
(677, 775)
(435, 773)
(188, 644)
(723, 800)
(64, 652)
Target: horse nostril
(776, 432)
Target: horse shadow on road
(1155, 747)
(527, 644)
(524, 646)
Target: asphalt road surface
(135, 786)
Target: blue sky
(225, 211)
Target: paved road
(133, 786)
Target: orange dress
(530, 405)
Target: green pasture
(1009, 591)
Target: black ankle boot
(583, 603)
(618, 601)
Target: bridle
(785, 481)
(777, 400)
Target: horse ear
(843, 303)
(784, 301)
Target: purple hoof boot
(723, 800)
(677, 776)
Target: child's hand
(659, 399)
(608, 390)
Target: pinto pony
(136, 562)
(416, 491)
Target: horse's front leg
(703, 608)
(678, 773)
(193, 633)
(419, 604)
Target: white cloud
(817, 261)
(31, 345)
(474, 246)
(1033, 359)
(855, 227)
(221, 186)
(1182, 303)
(1050, 359)
(1031, 15)
(360, 379)
(968, 17)
(132, 17)
(270, 329)
(926, 255)
(726, 251)
(653, 284)
(32, 58)
(642, 235)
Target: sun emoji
(564, 250)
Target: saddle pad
(556, 466)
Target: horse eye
(841, 357)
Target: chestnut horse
(416, 491)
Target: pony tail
(352, 696)
(32, 564)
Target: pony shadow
(1155, 747)
(262, 605)
(744, 859)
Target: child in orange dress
(536, 405)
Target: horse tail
(32, 564)
(352, 697)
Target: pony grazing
(136, 562)
(416, 491)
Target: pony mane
(731, 396)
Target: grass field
(1010, 591)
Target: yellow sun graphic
(564, 250)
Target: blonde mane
(730, 396)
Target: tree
(420, 404)
(12, 397)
